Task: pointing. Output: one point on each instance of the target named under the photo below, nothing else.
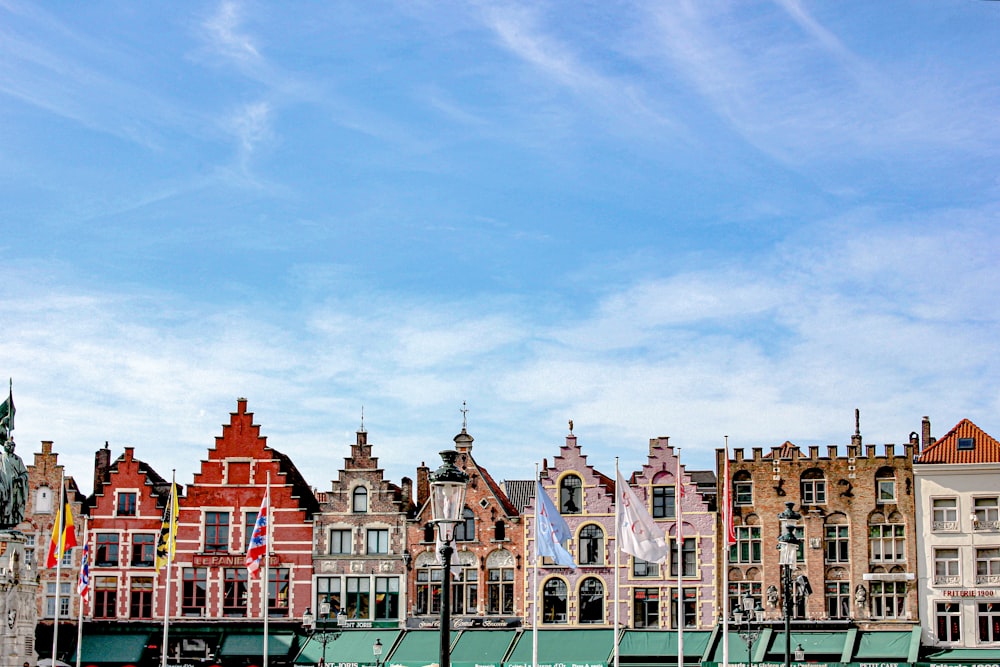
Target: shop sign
(463, 623)
(971, 593)
(226, 560)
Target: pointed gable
(965, 443)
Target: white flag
(638, 534)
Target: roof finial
(571, 427)
(362, 417)
(465, 415)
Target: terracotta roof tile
(784, 450)
(985, 448)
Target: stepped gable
(159, 487)
(984, 447)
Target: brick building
(487, 564)
(858, 531)
(44, 477)
(360, 551)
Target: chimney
(423, 484)
(925, 431)
(406, 486)
(46, 447)
(856, 438)
(102, 463)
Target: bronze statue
(13, 474)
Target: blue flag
(550, 530)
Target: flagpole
(79, 617)
(680, 563)
(726, 509)
(57, 537)
(171, 503)
(617, 561)
(534, 622)
(265, 582)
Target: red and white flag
(727, 507)
(638, 534)
(258, 541)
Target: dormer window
(966, 444)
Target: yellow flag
(166, 546)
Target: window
(966, 444)
(837, 544)
(747, 547)
(838, 599)
(386, 598)
(466, 531)
(499, 531)
(126, 503)
(328, 593)
(43, 500)
(591, 545)
(646, 607)
(234, 591)
(64, 600)
(988, 566)
(107, 550)
(193, 587)
(742, 488)
(591, 601)
(813, 487)
(948, 622)
(217, 531)
(105, 597)
(358, 597)
(988, 617)
(140, 602)
(664, 502)
(428, 533)
(378, 541)
(687, 553)
(143, 549)
(29, 548)
(500, 591)
(570, 495)
(341, 541)
(428, 590)
(944, 514)
(554, 601)
(987, 513)
(277, 591)
(689, 607)
(742, 589)
(249, 523)
(946, 567)
(643, 568)
(465, 590)
(888, 599)
(359, 500)
(888, 542)
(885, 486)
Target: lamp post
(321, 629)
(748, 617)
(448, 485)
(377, 650)
(788, 545)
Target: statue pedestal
(18, 610)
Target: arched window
(591, 545)
(885, 486)
(813, 487)
(592, 600)
(359, 503)
(571, 495)
(554, 601)
(466, 531)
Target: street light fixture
(748, 615)
(322, 629)
(448, 485)
(800, 654)
(377, 650)
(788, 545)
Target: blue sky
(685, 219)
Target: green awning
(969, 655)
(418, 648)
(645, 643)
(485, 648)
(119, 647)
(352, 646)
(737, 647)
(252, 644)
(572, 648)
(883, 646)
(813, 643)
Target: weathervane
(465, 415)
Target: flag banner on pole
(550, 530)
(63, 536)
(83, 586)
(7, 412)
(166, 545)
(727, 504)
(258, 541)
(638, 534)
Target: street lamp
(788, 545)
(321, 629)
(377, 650)
(748, 617)
(800, 654)
(448, 485)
